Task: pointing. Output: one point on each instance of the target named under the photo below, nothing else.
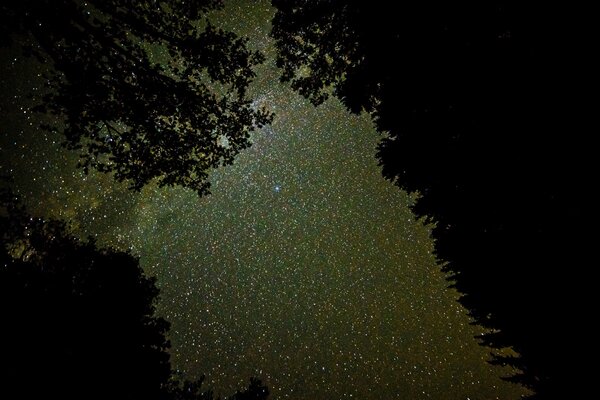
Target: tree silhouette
(477, 99)
(256, 391)
(187, 390)
(78, 321)
(140, 89)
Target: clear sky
(303, 267)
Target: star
(334, 293)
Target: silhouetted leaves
(182, 389)
(256, 391)
(78, 321)
(478, 101)
(143, 90)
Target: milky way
(303, 267)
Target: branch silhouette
(78, 321)
(477, 103)
(139, 89)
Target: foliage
(144, 89)
(78, 321)
(473, 98)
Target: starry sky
(303, 267)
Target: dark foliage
(78, 321)
(170, 117)
(186, 390)
(256, 391)
(480, 103)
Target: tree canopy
(477, 101)
(78, 321)
(146, 89)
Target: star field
(303, 267)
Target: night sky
(303, 267)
